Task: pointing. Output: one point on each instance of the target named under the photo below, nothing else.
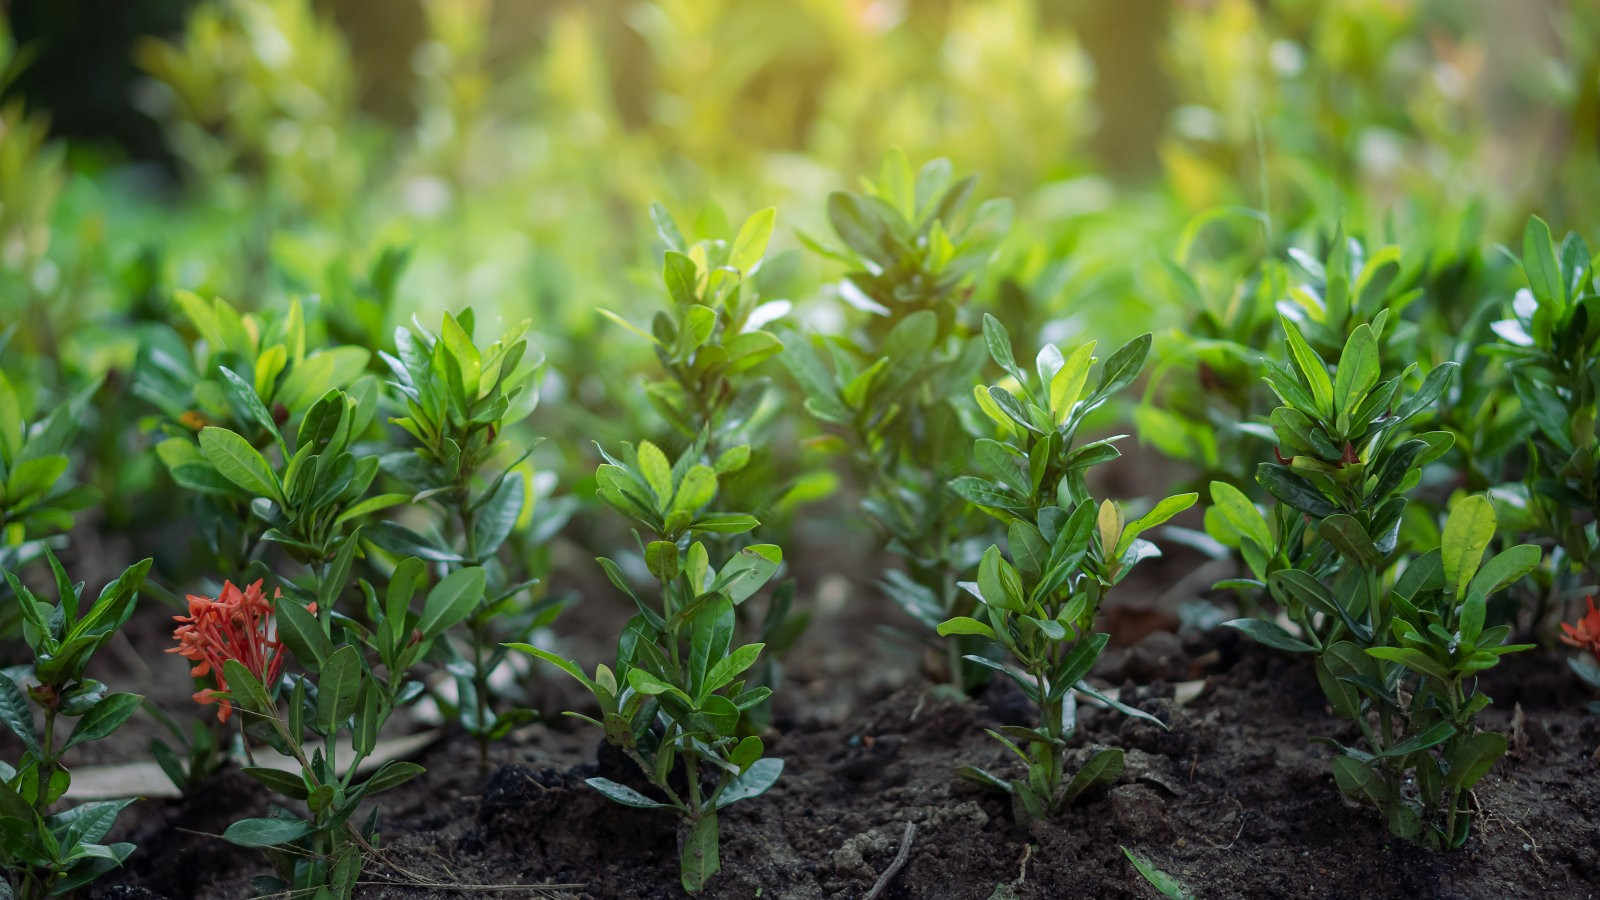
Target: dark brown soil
(1234, 800)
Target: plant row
(1403, 501)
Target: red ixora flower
(238, 626)
(1585, 633)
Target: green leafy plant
(1406, 672)
(1551, 347)
(50, 853)
(891, 389)
(1350, 462)
(711, 342)
(241, 640)
(1040, 604)
(673, 700)
(457, 403)
(1398, 638)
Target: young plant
(241, 640)
(710, 343)
(891, 389)
(1064, 554)
(1552, 350)
(457, 402)
(1405, 669)
(1346, 460)
(674, 698)
(45, 853)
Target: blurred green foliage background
(380, 160)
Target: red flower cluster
(238, 626)
(1585, 633)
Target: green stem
(47, 761)
(1050, 718)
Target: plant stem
(47, 760)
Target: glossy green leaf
(239, 462)
(1467, 532)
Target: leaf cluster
(54, 853)
(1039, 605)
(356, 675)
(675, 695)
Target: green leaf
(1503, 570)
(1290, 488)
(451, 601)
(964, 625)
(1357, 780)
(666, 228)
(14, 711)
(1167, 886)
(725, 523)
(621, 793)
(459, 344)
(391, 775)
(650, 685)
(33, 477)
(699, 860)
(729, 667)
(13, 430)
(753, 782)
(497, 516)
(1539, 262)
(751, 243)
(103, 718)
(1311, 367)
(245, 689)
(239, 462)
(1411, 658)
(1241, 514)
(562, 663)
(288, 784)
(1351, 540)
(749, 569)
(370, 716)
(698, 487)
(1472, 758)
(1357, 373)
(1163, 511)
(1124, 365)
(312, 377)
(1467, 533)
(657, 473)
(338, 689)
(1102, 768)
(998, 581)
(1432, 737)
(302, 634)
(371, 505)
(1066, 385)
(265, 832)
(999, 342)
(1270, 634)
(244, 394)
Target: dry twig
(895, 866)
